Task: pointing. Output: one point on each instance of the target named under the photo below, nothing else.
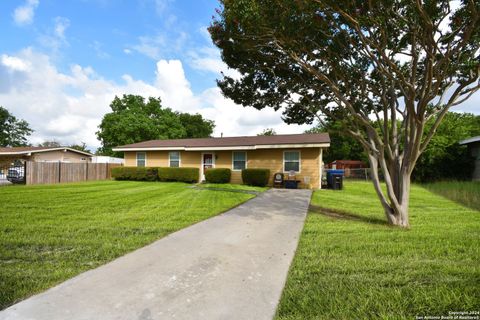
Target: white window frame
(179, 159)
(233, 159)
(136, 158)
(299, 160)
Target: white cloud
(24, 15)
(162, 5)
(56, 37)
(160, 44)
(98, 48)
(68, 107)
(150, 46)
(14, 63)
(61, 24)
(208, 59)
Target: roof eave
(254, 147)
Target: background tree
(134, 119)
(50, 144)
(444, 158)
(267, 132)
(393, 61)
(13, 131)
(342, 146)
(195, 125)
(80, 147)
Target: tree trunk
(395, 202)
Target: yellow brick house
(301, 153)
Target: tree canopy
(267, 132)
(134, 119)
(13, 131)
(397, 63)
(445, 158)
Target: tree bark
(396, 202)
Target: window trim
(233, 159)
(136, 158)
(179, 159)
(299, 160)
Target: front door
(207, 163)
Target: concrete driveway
(232, 266)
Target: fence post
(59, 172)
(106, 171)
(86, 171)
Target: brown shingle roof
(22, 149)
(308, 138)
(19, 150)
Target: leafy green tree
(395, 61)
(134, 119)
(195, 125)
(13, 131)
(80, 147)
(50, 144)
(267, 132)
(445, 158)
(342, 146)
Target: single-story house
(473, 145)
(43, 154)
(301, 153)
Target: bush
(256, 177)
(155, 174)
(188, 175)
(134, 173)
(219, 175)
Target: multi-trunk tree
(396, 63)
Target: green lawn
(51, 233)
(356, 267)
(232, 186)
(464, 192)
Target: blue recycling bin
(333, 177)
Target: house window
(239, 160)
(174, 158)
(291, 161)
(141, 159)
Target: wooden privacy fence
(61, 172)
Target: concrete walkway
(232, 266)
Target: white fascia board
(150, 149)
(220, 148)
(293, 146)
(265, 146)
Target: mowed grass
(51, 233)
(464, 192)
(350, 265)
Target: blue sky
(62, 62)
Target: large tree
(134, 119)
(13, 131)
(394, 61)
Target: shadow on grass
(345, 215)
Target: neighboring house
(301, 153)
(44, 154)
(107, 159)
(474, 149)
